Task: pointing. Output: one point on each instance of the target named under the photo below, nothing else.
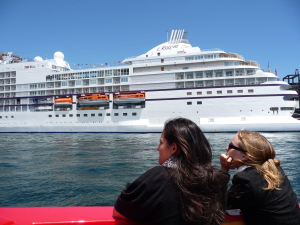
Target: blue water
(92, 169)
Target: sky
(105, 31)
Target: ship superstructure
(220, 91)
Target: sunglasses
(231, 146)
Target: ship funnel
(178, 36)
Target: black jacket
(259, 206)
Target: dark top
(151, 197)
(260, 206)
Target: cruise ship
(219, 91)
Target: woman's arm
(116, 214)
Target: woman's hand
(118, 215)
(226, 163)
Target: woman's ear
(244, 157)
(174, 149)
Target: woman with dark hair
(185, 189)
(260, 189)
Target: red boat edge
(83, 215)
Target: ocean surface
(91, 169)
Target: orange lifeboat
(63, 101)
(94, 99)
(129, 98)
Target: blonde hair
(261, 155)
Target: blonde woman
(259, 188)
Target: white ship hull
(219, 91)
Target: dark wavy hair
(202, 187)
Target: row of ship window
(209, 74)
(220, 92)
(8, 74)
(92, 115)
(80, 82)
(135, 114)
(91, 74)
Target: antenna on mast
(167, 35)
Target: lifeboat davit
(94, 99)
(129, 98)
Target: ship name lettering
(167, 47)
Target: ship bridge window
(199, 74)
